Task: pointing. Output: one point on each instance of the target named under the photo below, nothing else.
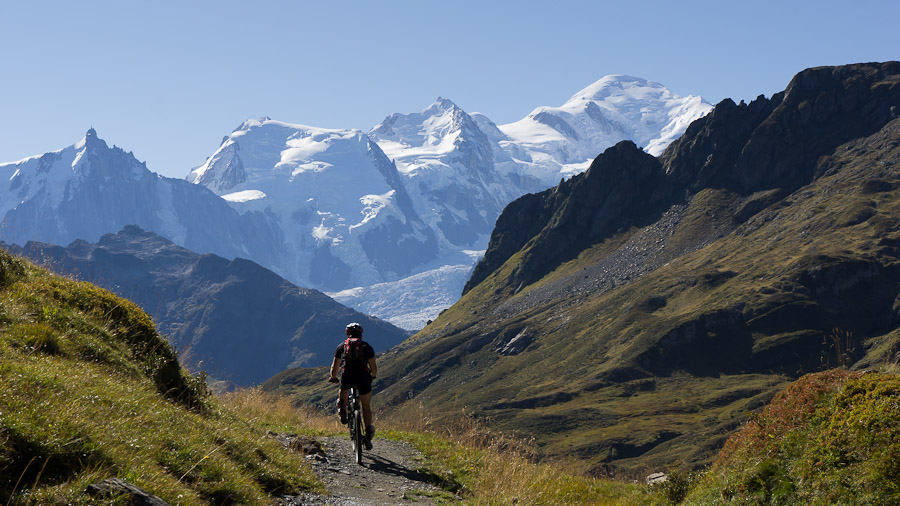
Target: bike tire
(351, 424)
(358, 436)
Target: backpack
(355, 357)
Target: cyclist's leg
(346, 382)
(342, 403)
(366, 401)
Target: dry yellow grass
(278, 413)
(493, 468)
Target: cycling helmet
(354, 329)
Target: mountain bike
(355, 422)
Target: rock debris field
(643, 253)
(388, 475)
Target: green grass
(830, 438)
(477, 466)
(89, 390)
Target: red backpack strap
(346, 355)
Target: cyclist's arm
(335, 365)
(373, 368)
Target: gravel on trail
(388, 476)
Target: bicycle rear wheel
(357, 435)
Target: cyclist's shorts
(361, 381)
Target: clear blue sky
(168, 79)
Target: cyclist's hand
(333, 380)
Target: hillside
(91, 394)
(90, 391)
(95, 410)
(634, 314)
(830, 438)
(234, 319)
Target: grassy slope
(579, 387)
(830, 438)
(89, 390)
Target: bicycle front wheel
(357, 436)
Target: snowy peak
(91, 140)
(613, 86)
(336, 199)
(449, 164)
(89, 188)
(274, 157)
(562, 140)
(435, 129)
(55, 176)
(263, 148)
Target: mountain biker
(356, 360)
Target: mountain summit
(89, 189)
(564, 139)
(337, 200)
(449, 168)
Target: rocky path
(387, 476)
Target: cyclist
(356, 360)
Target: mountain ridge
(234, 319)
(636, 329)
(758, 119)
(326, 208)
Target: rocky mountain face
(759, 151)
(232, 318)
(566, 219)
(632, 315)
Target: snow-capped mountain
(449, 169)
(344, 211)
(561, 141)
(337, 200)
(89, 189)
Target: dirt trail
(387, 476)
